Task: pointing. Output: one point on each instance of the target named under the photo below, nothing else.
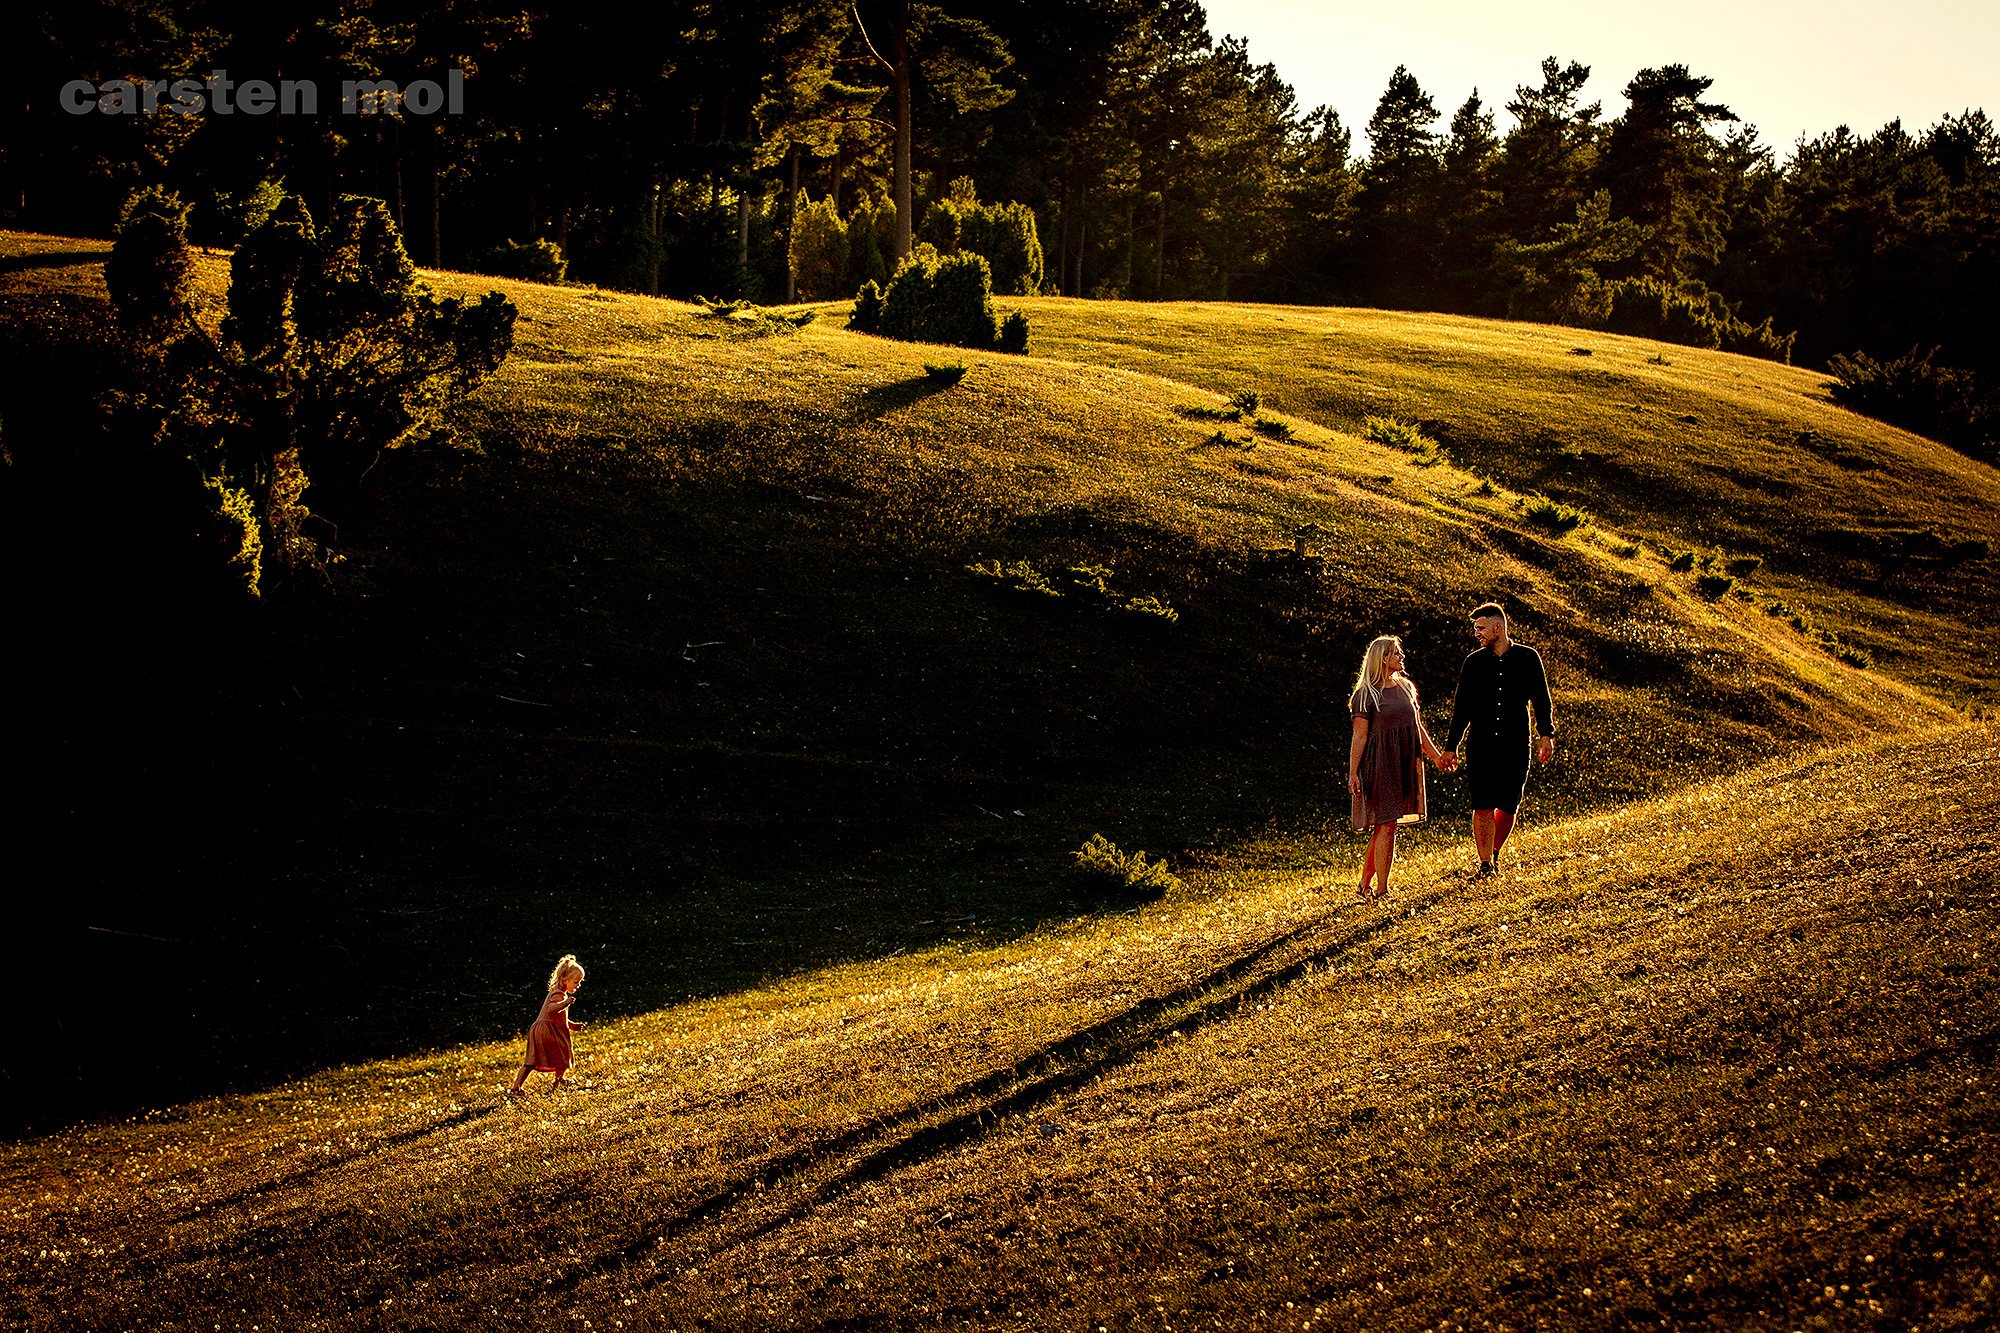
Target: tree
(818, 250)
(1548, 156)
(1560, 280)
(330, 352)
(957, 59)
(1396, 227)
(1660, 164)
(1467, 205)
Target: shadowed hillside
(679, 660)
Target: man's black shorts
(1496, 773)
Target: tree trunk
(433, 194)
(1131, 245)
(655, 206)
(743, 188)
(1082, 193)
(1160, 253)
(902, 72)
(791, 223)
(396, 170)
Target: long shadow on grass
(883, 399)
(906, 1138)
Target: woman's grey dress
(1392, 758)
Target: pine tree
(1660, 164)
(1396, 230)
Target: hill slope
(1723, 1057)
(682, 663)
(1866, 524)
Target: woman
(1385, 760)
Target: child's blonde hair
(566, 966)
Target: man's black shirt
(1495, 694)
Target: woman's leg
(1382, 854)
(1368, 866)
(519, 1079)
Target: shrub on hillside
(819, 249)
(1940, 402)
(1397, 435)
(1004, 234)
(1100, 862)
(536, 261)
(1013, 334)
(867, 316)
(944, 372)
(1554, 516)
(940, 299)
(330, 352)
(1691, 314)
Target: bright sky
(1789, 67)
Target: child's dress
(548, 1040)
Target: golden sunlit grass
(1725, 1056)
(1673, 445)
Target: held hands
(1447, 761)
(1545, 749)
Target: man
(1497, 688)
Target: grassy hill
(682, 660)
(779, 678)
(1888, 535)
(1723, 1058)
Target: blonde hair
(565, 966)
(1374, 673)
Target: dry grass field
(780, 679)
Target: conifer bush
(540, 260)
(1100, 861)
(867, 316)
(330, 352)
(938, 299)
(1014, 334)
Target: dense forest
(676, 149)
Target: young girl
(548, 1040)
(1385, 759)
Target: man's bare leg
(1483, 834)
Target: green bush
(1553, 516)
(945, 372)
(1153, 608)
(1912, 391)
(1004, 235)
(1100, 861)
(1014, 334)
(331, 351)
(536, 261)
(1020, 576)
(1743, 566)
(1693, 315)
(1246, 402)
(1682, 562)
(151, 271)
(946, 299)
(1713, 585)
(818, 250)
(867, 316)
(1273, 428)
(1397, 435)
